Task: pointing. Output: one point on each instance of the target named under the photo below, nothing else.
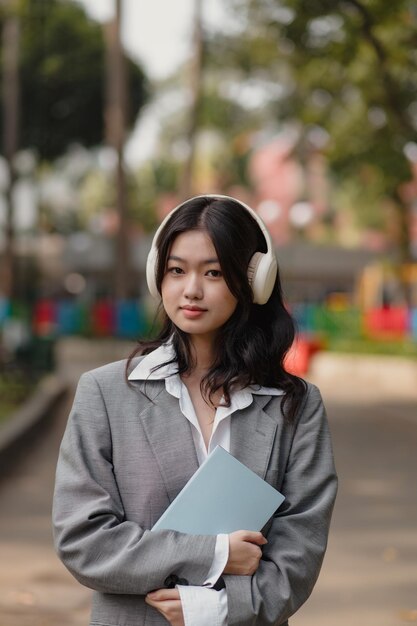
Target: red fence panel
(389, 323)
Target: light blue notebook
(222, 496)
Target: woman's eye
(174, 270)
(215, 273)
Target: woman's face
(194, 293)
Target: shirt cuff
(221, 555)
(202, 606)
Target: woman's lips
(192, 312)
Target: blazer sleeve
(102, 549)
(297, 538)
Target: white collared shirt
(194, 598)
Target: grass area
(355, 345)
(6, 409)
(13, 392)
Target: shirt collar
(143, 371)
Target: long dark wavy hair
(251, 346)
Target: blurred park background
(112, 112)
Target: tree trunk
(10, 88)
(404, 219)
(196, 79)
(115, 117)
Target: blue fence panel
(4, 309)
(304, 317)
(66, 318)
(130, 319)
(413, 323)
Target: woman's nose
(193, 288)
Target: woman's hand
(168, 603)
(244, 552)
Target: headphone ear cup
(262, 272)
(253, 266)
(151, 272)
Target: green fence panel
(333, 323)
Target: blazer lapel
(170, 438)
(252, 435)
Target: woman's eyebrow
(205, 262)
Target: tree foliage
(348, 67)
(62, 77)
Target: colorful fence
(28, 334)
(129, 319)
(396, 323)
(104, 318)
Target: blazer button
(170, 581)
(173, 580)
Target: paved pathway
(369, 577)
(35, 589)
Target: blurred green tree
(346, 67)
(62, 77)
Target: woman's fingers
(164, 594)
(168, 603)
(253, 537)
(244, 552)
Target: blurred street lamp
(410, 151)
(269, 211)
(75, 283)
(301, 214)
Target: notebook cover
(222, 496)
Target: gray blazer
(124, 457)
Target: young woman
(215, 375)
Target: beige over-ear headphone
(262, 268)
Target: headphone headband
(262, 269)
